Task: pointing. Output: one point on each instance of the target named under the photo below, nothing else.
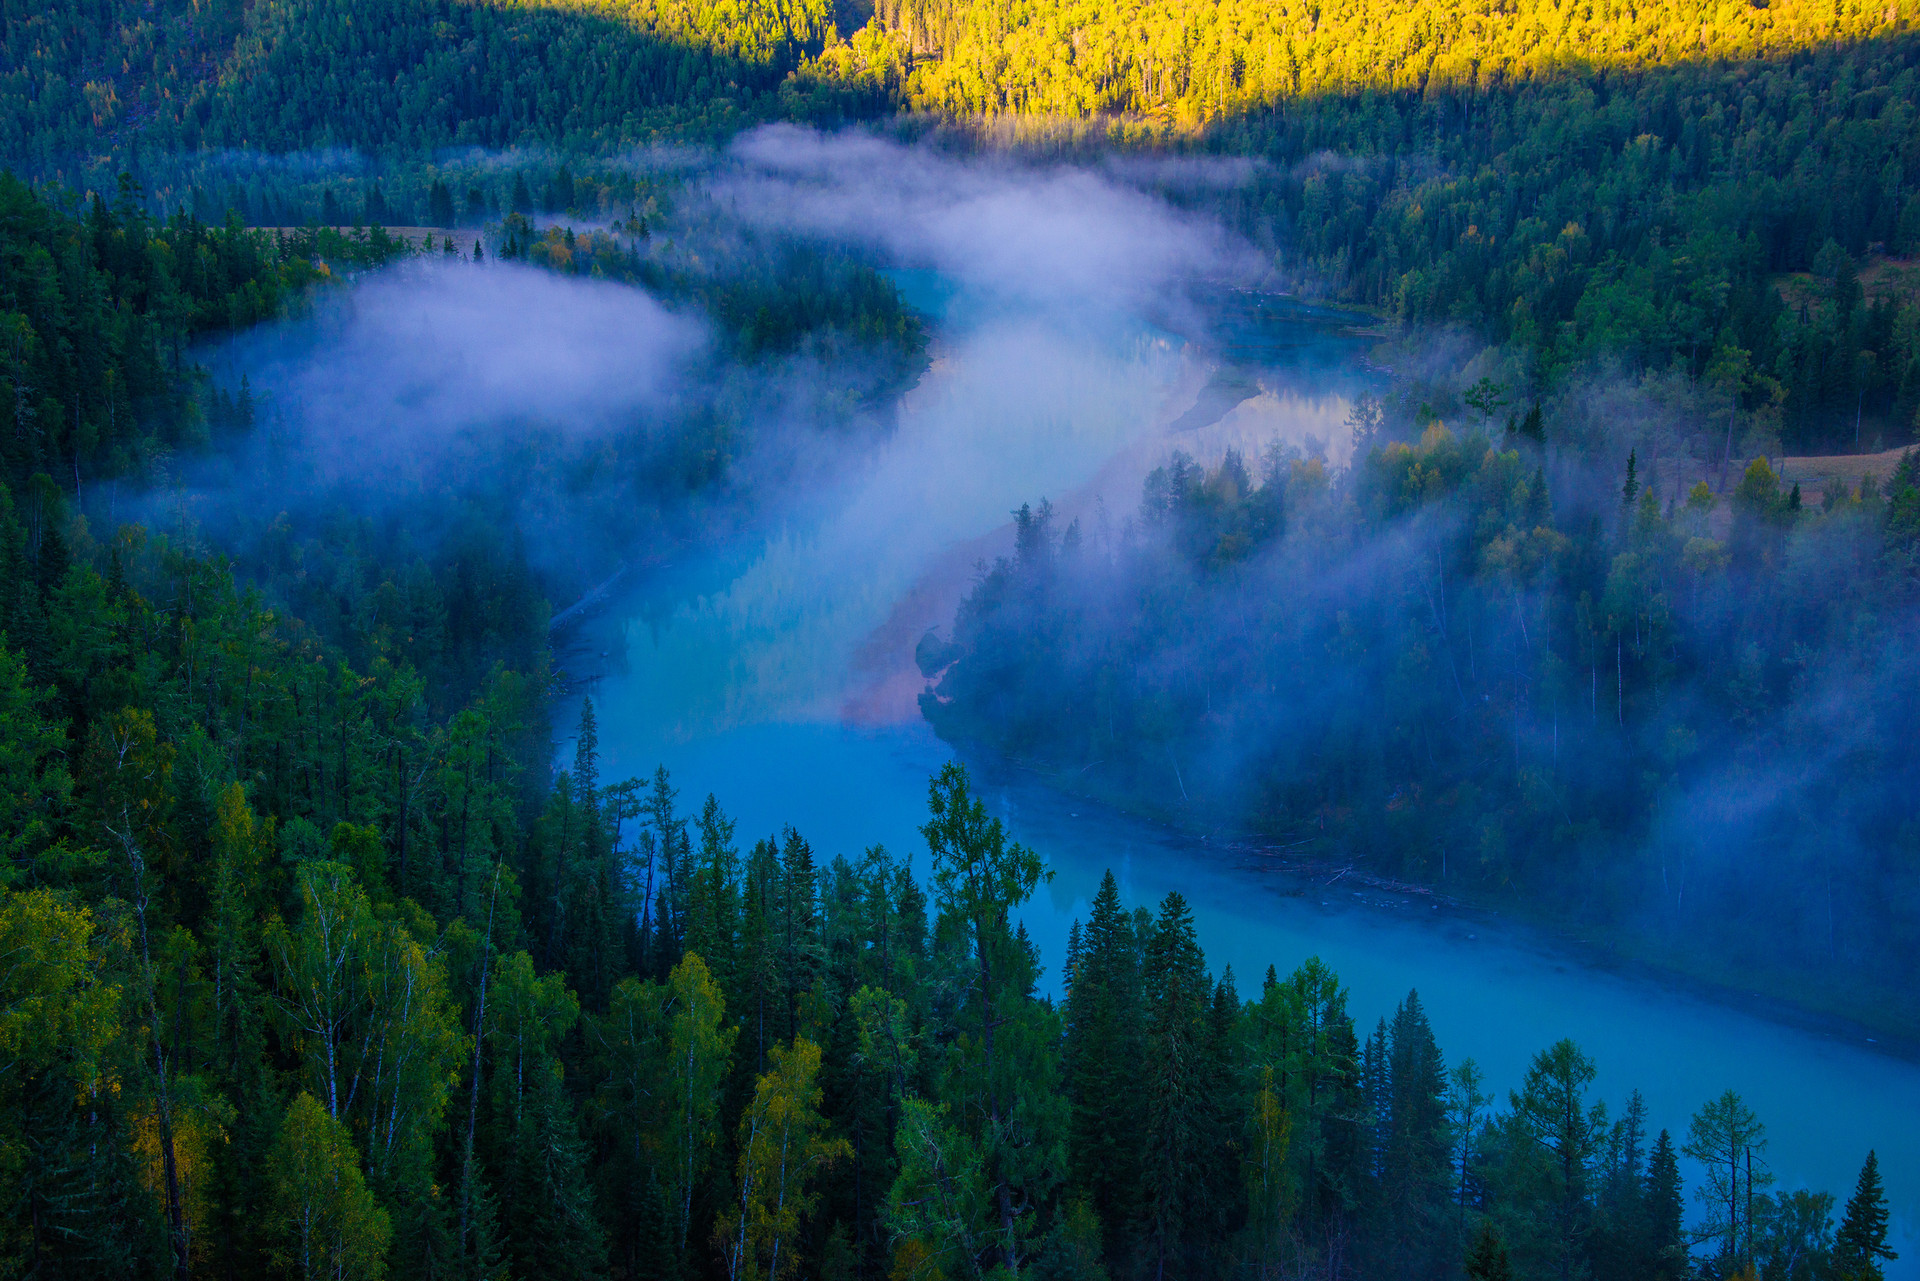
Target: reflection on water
(744, 692)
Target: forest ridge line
(292, 74)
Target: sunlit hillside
(1197, 59)
(81, 79)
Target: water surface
(774, 675)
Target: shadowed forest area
(1471, 664)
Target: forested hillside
(1581, 185)
(1630, 221)
(1457, 663)
(104, 384)
(305, 980)
(1200, 59)
(85, 77)
(99, 311)
(1589, 186)
(319, 965)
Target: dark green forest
(104, 306)
(1634, 221)
(307, 980)
(100, 308)
(1622, 190)
(317, 966)
(1473, 662)
(89, 77)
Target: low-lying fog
(776, 668)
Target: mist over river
(778, 675)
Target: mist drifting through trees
(1463, 453)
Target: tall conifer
(1102, 1062)
(1861, 1243)
(1176, 991)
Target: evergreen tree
(1551, 1113)
(979, 878)
(1487, 1260)
(1622, 1211)
(552, 1228)
(713, 904)
(798, 930)
(761, 1000)
(1861, 1244)
(1663, 1252)
(440, 206)
(666, 880)
(1414, 1167)
(1101, 1059)
(1176, 989)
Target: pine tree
(713, 905)
(1621, 1226)
(654, 1255)
(1663, 1252)
(1552, 1112)
(980, 878)
(1176, 989)
(553, 1231)
(758, 1001)
(1414, 1167)
(797, 929)
(1861, 1244)
(1487, 1260)
(440, 202)
(1102, 1055)
(1533, 426)
(1224, 1117)
(664, 891)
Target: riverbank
(1807, 1002)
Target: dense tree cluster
(1636, 219)
(316, 968)
(769, 297)
(98, 310)
(305, 980)
(1581, 184)
(1431, 665)
(100, 372)
(82, 79)
(1585, 184)
(1200, 59)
